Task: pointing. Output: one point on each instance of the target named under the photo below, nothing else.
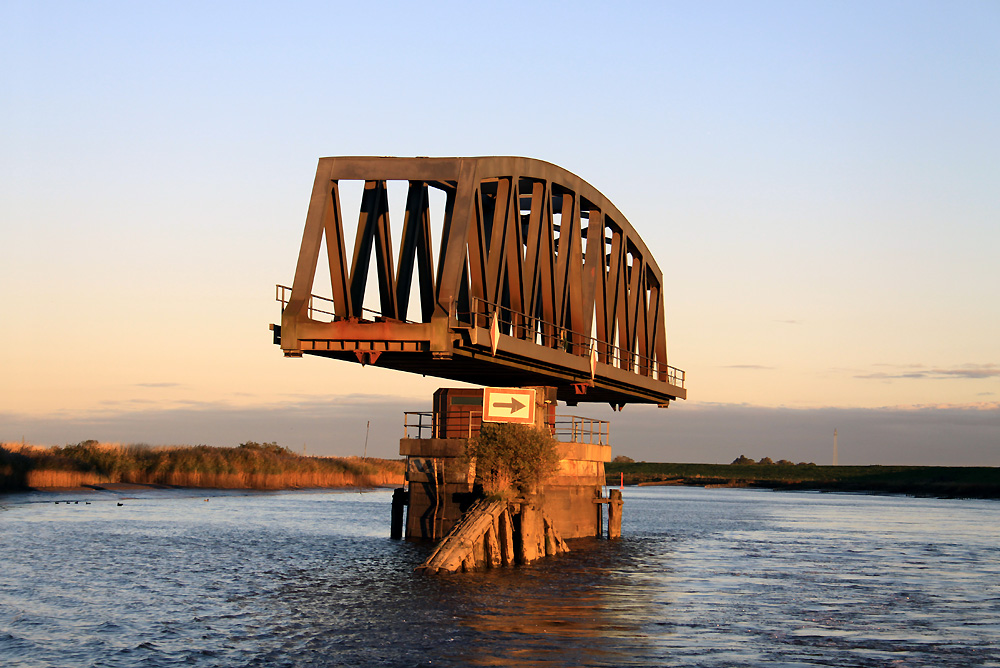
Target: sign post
(509, 404)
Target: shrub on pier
(512, 457)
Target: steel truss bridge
(538, 279)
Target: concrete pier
(441, 485)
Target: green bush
(512, 457)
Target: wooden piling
(399, 499)
(615, 513)
(485, 537)
(599, 510)
(506, 534)
(492, 547)
(529, 540)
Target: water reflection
(571, 610)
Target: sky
(818, 182)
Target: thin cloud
(975, 406)
(752, 367)
(966, 371)
(158, 385)
(972, 371)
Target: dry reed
(250, 466)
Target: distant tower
(835, 447)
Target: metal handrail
(425, 424)
(283, 292)
(541, 332)
(577, 429)
(565, 428)
(551, 335)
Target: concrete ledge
(421, 469)
(432, 447)
(585, 451)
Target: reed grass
(250, 466)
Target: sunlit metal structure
(537, 279)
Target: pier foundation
(441, 478)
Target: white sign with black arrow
(509, 404)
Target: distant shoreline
(973, 482)
(256, 466)
(138, 487)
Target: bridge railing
(577, 429)
(283, 294)
(428, 424)
(466, 424)
(524, 327)
(550, 335)
(318, 308)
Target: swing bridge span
(534, 278)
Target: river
(702, 577)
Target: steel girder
(539, 280)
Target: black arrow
(514, 405)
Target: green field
(944, 481)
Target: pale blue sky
(818, 182)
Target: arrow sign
(509, 404)
(514, 405)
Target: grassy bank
(945, 481)
(249, 466)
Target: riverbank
(979, 482)
(95, 465)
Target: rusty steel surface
(537, 279)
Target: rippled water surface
(702, 578)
